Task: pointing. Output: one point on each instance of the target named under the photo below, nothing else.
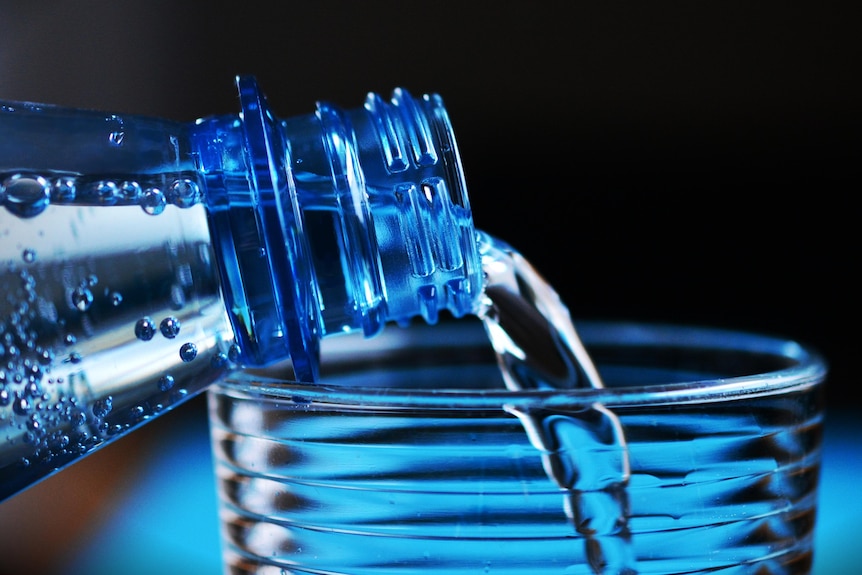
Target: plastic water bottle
(141, 259)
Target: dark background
(675, 161)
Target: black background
(683, 162)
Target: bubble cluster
(27, 195)
(64, 319)
(102, 407)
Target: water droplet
(116, 299)
(145, 329)
(234, 353)
(103, 407)
(117, 133)
(188, 352)
(5, 397)
(92, 280)
(25, 196)
(28, 255)
(154, 201)
(170, 327)
(166, 382)
(70, 339)
(76, 357)
(184, 193)
(82, 298)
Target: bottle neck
(336, 221)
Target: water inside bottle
(96, 301)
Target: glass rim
(807, 369)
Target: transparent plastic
(410, 455)
(142, 259)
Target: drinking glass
(409, 456)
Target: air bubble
(130, 191)
(184, 193)
(145, 329)
(154, 201)
(234, 353)
(82, 298)
(103, 407)
(188, 352)
(218, 361)
(25, 196)
(28, 255)
(46, 356)
(166, 382)
(106, 192)
(116, 299)
(21, 406)
(170, 327)
(64, 190)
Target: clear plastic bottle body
(142, 259)
(104, 283)
(97, 341)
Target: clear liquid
(537, 347)
(108, 317)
